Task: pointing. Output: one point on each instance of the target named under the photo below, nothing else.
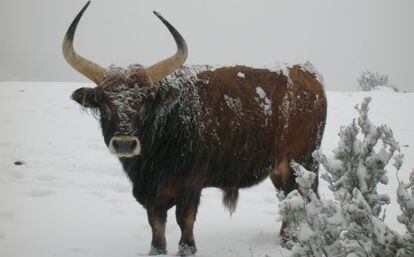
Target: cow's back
(242, 120)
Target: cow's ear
(86, 97)
(170, 97)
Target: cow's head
(122, 95)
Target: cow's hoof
(157, 250)
(186, 249)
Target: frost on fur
(353, 224)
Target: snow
(234, 104)
(71, 198)
(188, 75)
(264, 101)
(283, 68)
(308, 66)
(279, 67)
(241, 75)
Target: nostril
(124, 145)
(132, 145)
(115, 144)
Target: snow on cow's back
(245, 91)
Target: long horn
(164, 68)
(89, 69)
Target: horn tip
(157, 14)
(85, 6)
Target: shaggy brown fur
(200, 127)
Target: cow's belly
(237, 173)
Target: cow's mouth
(124, 146)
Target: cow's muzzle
(124, 146)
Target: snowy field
(71, 198)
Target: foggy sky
(341, 38)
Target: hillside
(70, 196)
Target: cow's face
(123, 101)
(122, 96)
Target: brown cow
(177, 130)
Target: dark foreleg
(186, 210)
(157, 219)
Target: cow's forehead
(117, 78)
(126, 94)
(119, 88)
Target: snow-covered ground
(71, 198)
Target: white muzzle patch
(124, 146)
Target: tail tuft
(230, 198)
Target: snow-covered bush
(371, 80)
(405, 196)
(353, 225)
(314, 225)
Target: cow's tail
(230, 198)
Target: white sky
(341, 38)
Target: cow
(178, 129)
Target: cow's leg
(186, 210)
(313, 166)
(283, 179)
(157, 218)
